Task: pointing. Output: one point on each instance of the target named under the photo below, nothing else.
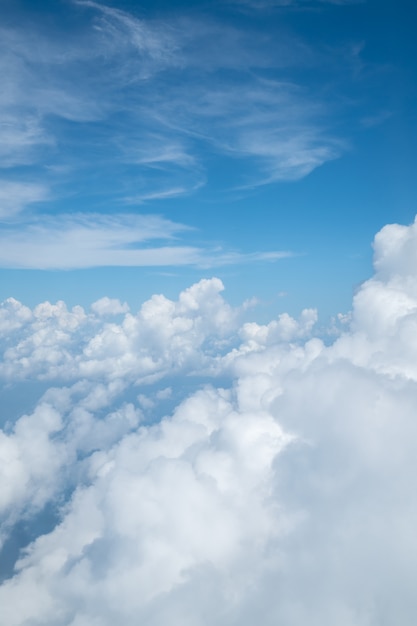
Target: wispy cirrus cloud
(83, 240)
(272, 125)
(156, 42)
(158, 88)
(161, 194)
(15, 196)
(270, 4)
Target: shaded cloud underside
(294, 459)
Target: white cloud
(270, 4)
(13, 315)
(96, 240)
(155, 42)
(109, 306)
(43, 445)
(15, 196)
(83, 240)
(297, 460)
(161, 194)
(384, 309)
(284, 329)
(164, 336)
(156, 151)
(115, 72)
(177, 494)
(276, 125)
(395, 253)
(20, 140)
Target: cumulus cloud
(207, 471)
(109, 306)
(164, 336)
(13, 314)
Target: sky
(147, 145)
(208, 313)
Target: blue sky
(188, 192)
(147, 145)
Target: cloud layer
(203, 471)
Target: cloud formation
(270, 4)
(85, 240)
(207, 471)
(15, 196)
(158, 86)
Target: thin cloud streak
(117, 74)
(272, 4)
(15, 196)
(93, 240)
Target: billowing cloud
(52, 342)
(201, 470)
(109, 306)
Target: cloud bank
(204, 471)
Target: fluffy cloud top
(202, 471)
